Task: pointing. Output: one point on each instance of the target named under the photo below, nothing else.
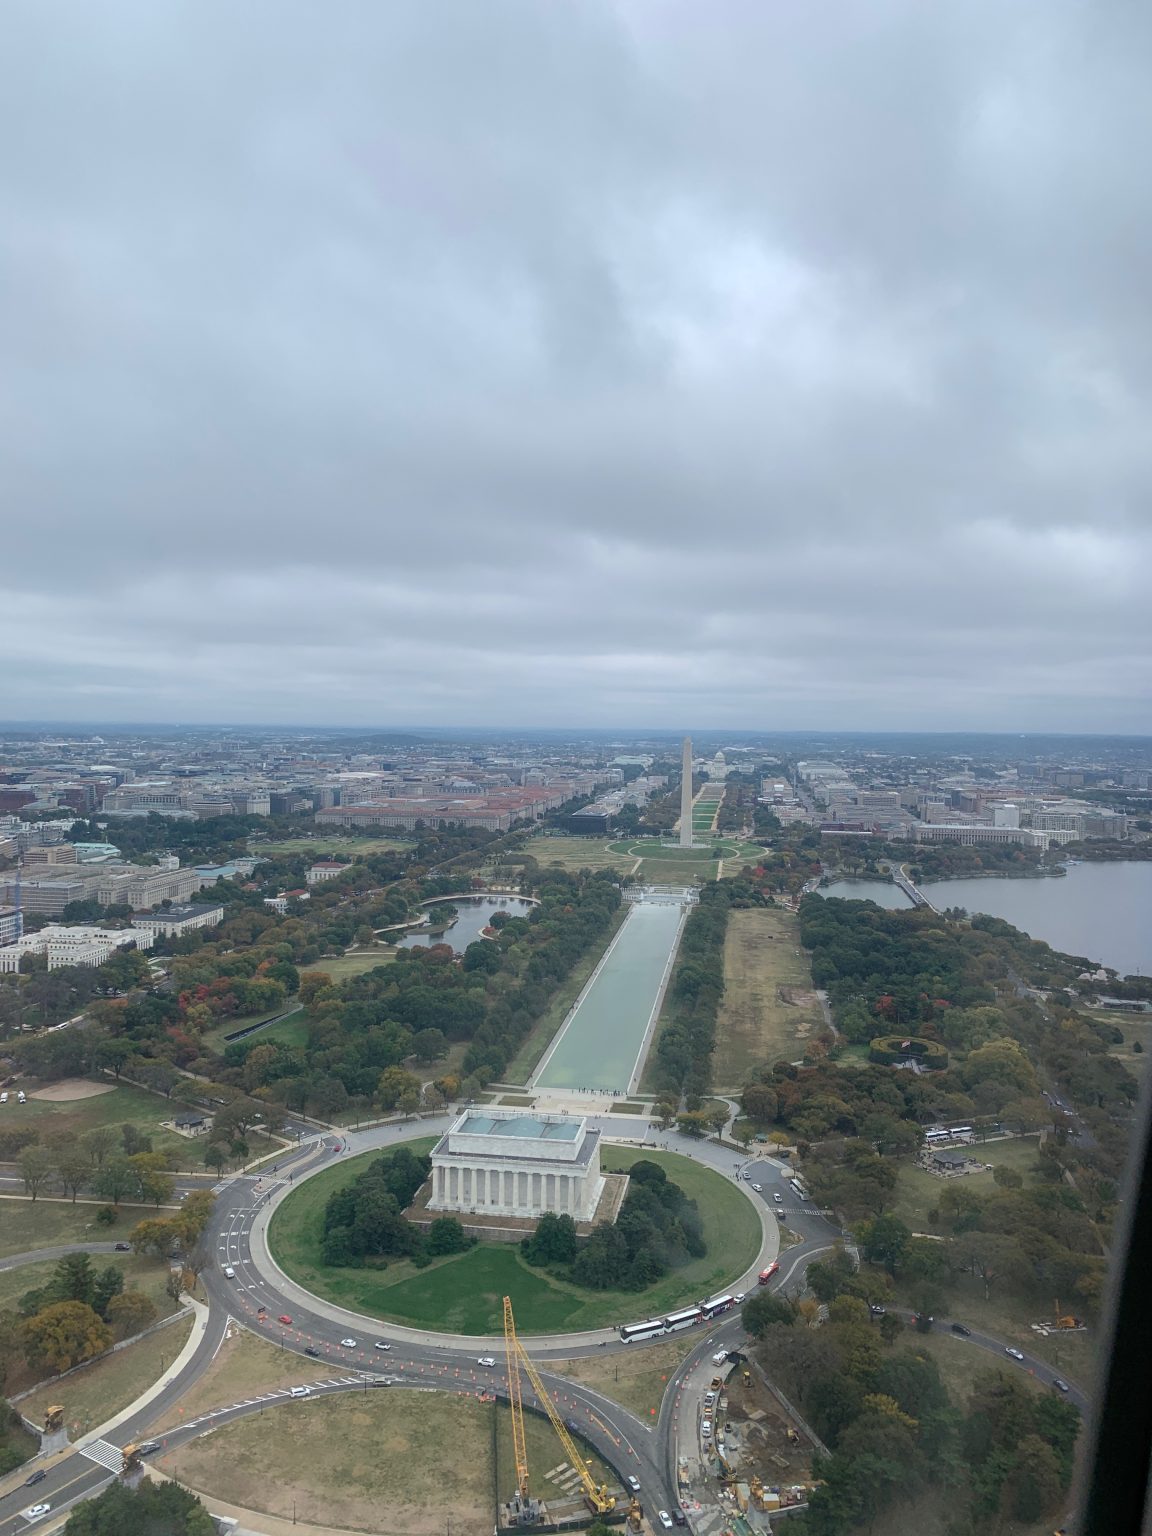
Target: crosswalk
(105, 1454)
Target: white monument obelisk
(686, 794)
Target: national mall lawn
(463, 1293)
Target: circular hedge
(887, 1050)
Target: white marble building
(499, 1162)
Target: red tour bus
(766, 1274)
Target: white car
(381, 1345)
(3, 1098)
(1015, 1353)
(229, 1272)
(778, 1197)
(634, 1484)
(348, 1343)
(664, 1518)
(706, 1429)
(300, 1392)
(36, 1511)
(486, 1360)
(757, 1187)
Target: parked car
(664, 1518)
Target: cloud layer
(628, 363)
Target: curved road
(259, 1295)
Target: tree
(764, 1309)
(130, 1313)
(446, 1235)
(98, 1143)
(174, 1285)
(72, 1169)
(884, 1240)
(115, 1180)
(394, 1082)
(157, 1236)
(107, 1284)
(35, 1166)
(64, 1334)
(718, 1119)
(409, 1102)
(553, 1242)
(216, 1156)
(429, 1045)
(154, 1182)
(166, 1509)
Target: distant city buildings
(72, 946)
(172, 922)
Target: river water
(1103, 911)
(475, 914)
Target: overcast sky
(657, 362)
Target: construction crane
(596, 1496)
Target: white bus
(717, 1305)
(632, 1333)
(685, 1319)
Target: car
(313, 1351)
(122, 1247)
(679, 1517)
(300, 1392)
(285, 1319)
(959, 1328)
(3, 1098)
(779, 1215)
(1014, 1353)
(36, 1511)
(348, 1343)
(706, 1428)
(633, 1483)
(664, 1518)
(1060, 1384)
(739, 1296)
(488, 1360)
(778, 1197)
(148, 1448)
(758, 1187)
(719, 1357)
(229, 1272)
(37, 1477)
(877, 1310)
(379, 1344)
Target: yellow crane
(597, 1497)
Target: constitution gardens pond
(464, 1292)
(474, 913)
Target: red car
(285, 1319)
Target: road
(258, 1296)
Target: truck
(766, 1274)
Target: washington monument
(686, 794)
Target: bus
(685, 1319)
(717, 1305)
(937, 1135)
(633, 1333)
(961, 1130)
(766, 1274)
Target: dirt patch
(242, 1366)
(375, 1462)
(759, 1437)
(71, 1088)
(769, 1009)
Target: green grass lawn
(28, 1224)
(573, 853)
(340, 967)
(216, 1039)
(463, 1294)
(322, 847)
(125, 1104)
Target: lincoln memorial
(499, 1162)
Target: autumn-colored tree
(65, 1334)
(130, 1312)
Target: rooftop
(534, 1127)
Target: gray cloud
(627, 363)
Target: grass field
(392, 1462)
(140, 1274)
(540, 1037)
(216, 1039)
(28, 1224)
(1136, 1029)
(636, 1379)
(99, 1391)
(918, 1192)
(340, 967)
(243, 1366)
(572, 853)
(322, 847)
(763, 966)
(124, 1105)
(463, 1294)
